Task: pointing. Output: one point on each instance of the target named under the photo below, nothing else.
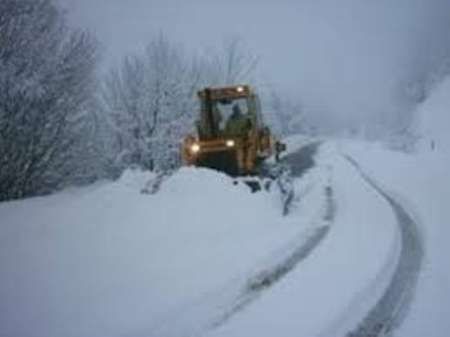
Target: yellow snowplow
(231, 136)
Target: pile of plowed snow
(107, 260)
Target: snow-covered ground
(206, 257)
(421, 183)
(107, 260)
(193, 259)
(330, 292)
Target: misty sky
(347, 56)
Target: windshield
(225, 108)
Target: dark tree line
(46, 84)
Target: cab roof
(231, 92)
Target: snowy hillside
(434, 119)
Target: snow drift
(107, 260)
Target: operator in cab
(238, 124)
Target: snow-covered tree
(149, 102)
(46, 81)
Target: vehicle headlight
(195, 148)
(240, 89)
(230, 143)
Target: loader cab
(218, 107)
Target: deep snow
(421, 182)
(329, 292)
(107, 260)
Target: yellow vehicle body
(237, 151)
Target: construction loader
(230, 134)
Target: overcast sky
(346, 55)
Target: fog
(347, 59)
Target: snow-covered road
(299, 163)
(371, 303)
(390, 309)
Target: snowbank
(107, 260)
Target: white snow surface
(109, 261)
(330, 292)
(421, 183)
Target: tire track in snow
(299, 162)
(218, 307)
(391, 308)
(267, 278)
(233, 299)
